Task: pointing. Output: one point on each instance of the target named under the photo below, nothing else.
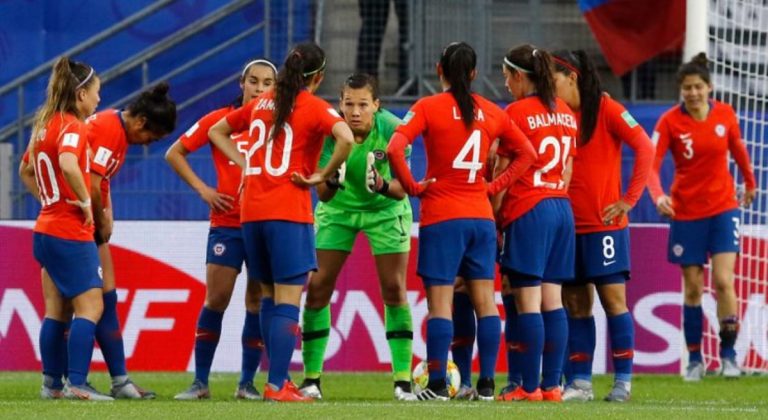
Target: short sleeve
(240, 118)
(197, 135)
(414, 122)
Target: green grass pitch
(369, 395)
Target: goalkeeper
(363, 197)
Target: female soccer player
(225, 250)
(700, 132)
(150, 117)
(368, 201)
(286, 128)
(600, 211)
(457, 236)
(63, 233)
(537, 206)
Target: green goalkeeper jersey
(354, 196)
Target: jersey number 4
(560, 155)
(260, 126)
(473, 165)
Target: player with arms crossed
(63, 234)
(147, 119)
(536, 219)
(225, 251)
(700, 132)
(457, 236)
(367, 200)
(286, 128)
(602, 233)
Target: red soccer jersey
(269, 193)
(107, 138)
(228, 174)
(553, 136)
(703, 185)
(596, 181)
(456, 154)
(64, 133)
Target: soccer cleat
(403, 391)
(288, 393)
(84, 392)
(48, 391)
(485, 389)
(694, 372)
(466, 393)
(519, 394)
(730, 369)
(197, 391)
(311, 388)
(579, 390)
(129, 390)
(553, 394)
(247, 392)
(619, 393)
(427, 394)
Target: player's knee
(692, 294)
(393, 293)
(218, 300)
(615, 307)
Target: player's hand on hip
(664, 206)
(424, 184)
(302, 181)
(217, 201)
(88, 213)
(748, 197)
(615, 212)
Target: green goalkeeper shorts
(388, 230)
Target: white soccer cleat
(466, 393)
(130, 391)
(730, 369)
(247, 392)
(579, 390)
(621, 392)
(84, 392)
(404, 394)
(430, 395)
(311, 389)
(694, 372)
(197, 391)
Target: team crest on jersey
(678, 249)
(720, 130)
(219, 249)
(629, 119)
(379, 154)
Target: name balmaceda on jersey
(536, 121)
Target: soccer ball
(421, 377)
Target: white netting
(738, 47)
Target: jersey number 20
(262, 137)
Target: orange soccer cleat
(519, 394)
(288, 393)
(553, 394)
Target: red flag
(631, 32)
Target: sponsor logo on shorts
(678, 249)
(219, 249)
(607, 263)
(101, 273)
(720, 130)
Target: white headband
(87, 78)
(319, 69)
(516, 67)
(259, 61)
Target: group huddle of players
(534, 189)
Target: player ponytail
(304, 61)
(698, 66)
(590, 89)
(157, 107)
(536, 65)
(458, 62)
(67, 78)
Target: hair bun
(160, 90)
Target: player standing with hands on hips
(286, 129)
(457, 235)
(602, 233)
(700, 132)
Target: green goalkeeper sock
(399, 326)
(316, 328)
